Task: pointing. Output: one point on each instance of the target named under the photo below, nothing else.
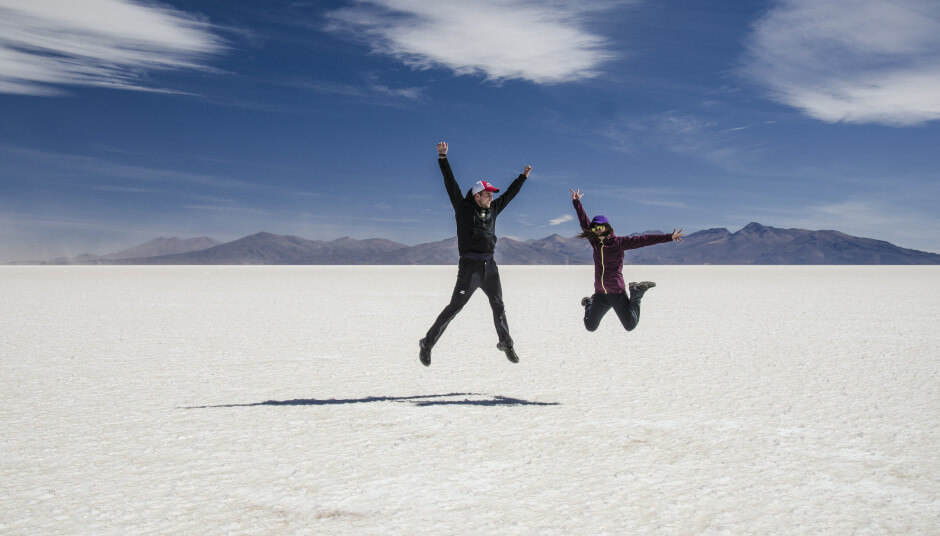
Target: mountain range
(754, 244)
(154, 248)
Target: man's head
(483, 193)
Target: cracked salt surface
(290, 400)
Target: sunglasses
(598, 229)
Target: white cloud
(107, 43)
(543, 42)
(561, 220)
(857, 61)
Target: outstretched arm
(633, 242)
(576, 201)
(500, 202)
(450, 183)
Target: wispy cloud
(872, 215)
(368, 90)
(47, 44)
(857, 61)
(69, 166)
(125, 189)
(654, 197)
(560, 220)
(79, 169)
(543, 42)
(240, 210)
(689, 135)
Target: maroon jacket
(608, 255)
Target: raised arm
(450, 183)
(582, 217)
(500, 202)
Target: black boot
(424, 354)
(638, 289)
(510, 353)
(586, 301)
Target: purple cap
(599, 219)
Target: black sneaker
(510, 353)
(585, 301)
(637, 289)
(424, 354)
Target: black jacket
(476, 227)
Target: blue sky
(125, 121)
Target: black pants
(628, 310)
(473, 274)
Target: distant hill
(443, 252)
(164, 246)
(754, 244)
(153, 248)
(267, 248)
(559, 250)
(759, 244)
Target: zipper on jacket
(603, 268)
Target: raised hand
(576, 196)
(442, 148)
(527, 170)
(677, 235)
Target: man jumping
(476, 241)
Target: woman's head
(600, 228)
(601, 225)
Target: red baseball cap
(480, 186)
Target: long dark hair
(592, 237)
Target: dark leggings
(627, 310)
(471, 275)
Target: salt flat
(290, 400)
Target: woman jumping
(608, 264)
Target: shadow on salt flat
(418, 400)
(493, 401)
